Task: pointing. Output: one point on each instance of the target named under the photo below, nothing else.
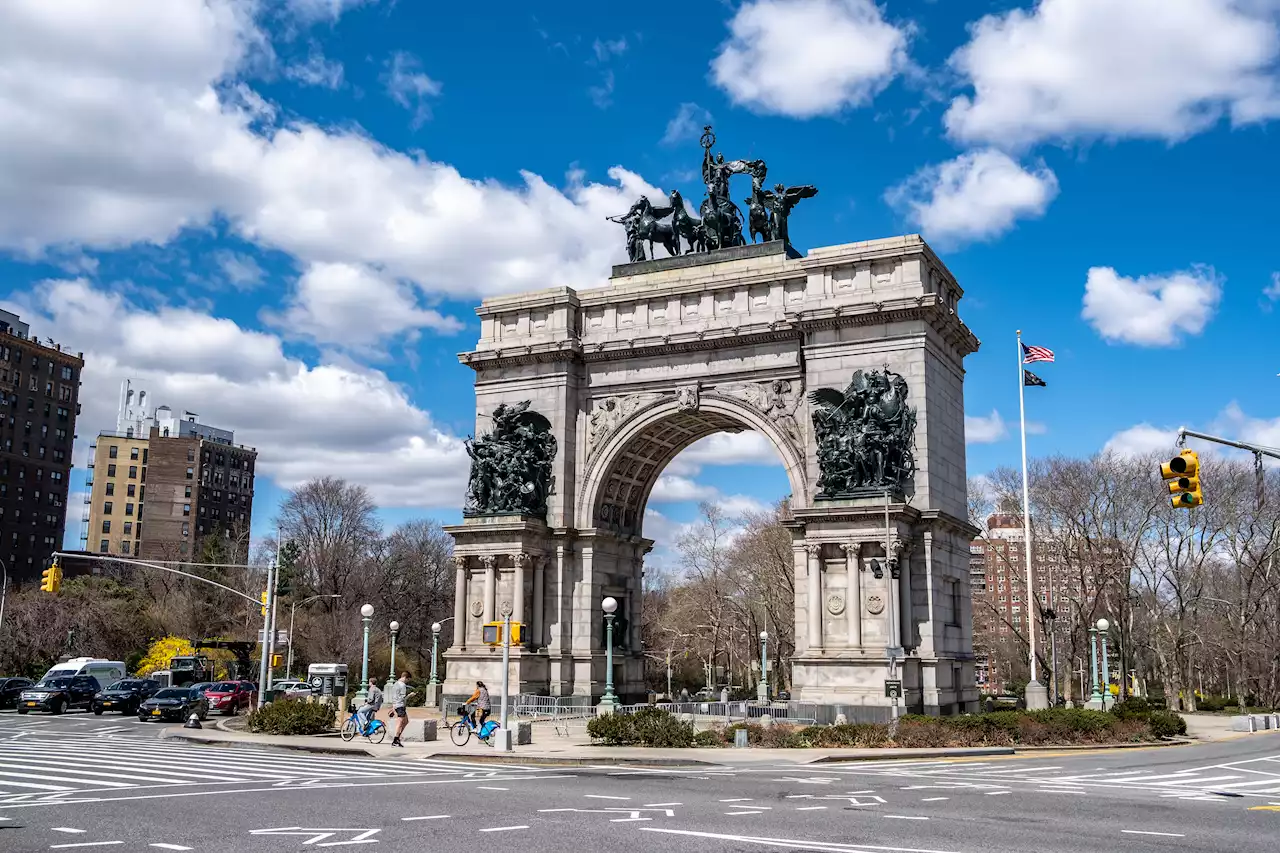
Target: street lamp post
(391, 676)
(288, 666)
(608, 701)
(1103, 627)
(435, 650)
(762, 692)
(1095, 698)
(366, 613)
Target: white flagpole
(1026, 512)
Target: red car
(229, 697)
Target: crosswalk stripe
(16, 784)
(266, 766)
(44, 767)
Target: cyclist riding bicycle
(479, 702)
(372, 703)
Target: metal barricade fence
(785, 712)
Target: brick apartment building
(39, 402)
(162, 484)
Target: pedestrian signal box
(492, 635)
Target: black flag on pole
(1029, 378)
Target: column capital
(459, 561)
(813, 548)
(489, 561)
(521, 559)
(851, 549)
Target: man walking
(399, 701)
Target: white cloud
(305, 420)
(318, 70)
(725, 448)
(686, 124)
(409, 87)
(602, 94)
(609, 48)
(240, 270)
(672, 488)
(976, 196)
(1150, 310)
(804, 58)
(354, 306)
(736, 506)
(1071, 69)
(1141, 440)
(315, 11)
(985, 430)
(124, 123)
(1234, 423)
(1272, 291)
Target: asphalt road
(79, 782)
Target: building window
(124, 546)
(106, 507)
(106, 525)
(130, 489)
(186, 509)
(67, 373)
(113, 451)
(144, 456)
(103, 547)
(111, 470)
(188, 492)
(133, 453)
(190, 473)
(133, 472)
(128, 509)
(111, 489)
(128, 528)
(186, 528)
(191, 454)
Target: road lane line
(904, 817)
(739, 814)
(504, 828)
(1145, 832)
(427, 817)
(487, 788)
(67, 829)
(997, 793)
(809, 808)
(170, 846)
(84, 844)
(933, 799)
(738, 800)
(603, 797)
(628, 819)
(657, 805)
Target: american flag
(1030, 354)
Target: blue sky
(280, 215)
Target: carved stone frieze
(608, 414)
(778, 400)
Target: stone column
(517, 592)
(460, 603)
(539, 606)
(853, 595)
(635, 612)
(815, 595)
(490, 586)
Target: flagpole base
(1037, 696)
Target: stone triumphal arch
(849, 360)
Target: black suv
(9, 690)
(125, 695)
(58, 693)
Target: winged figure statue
(511, 466)
(865, 434)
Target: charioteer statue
(721, 222)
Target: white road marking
(831, 846)
(1145, 832)
(486, 788)
(738, 814)
(84, 844)
(997, 793)
(809, 808)
(504, 828)
(602, 797)
(67, 829)
(628, 819)
(655, 805)
(904, 817)
(427, 817)
(933, 799)
(170, 846)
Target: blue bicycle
(375, 730)
(462, 730)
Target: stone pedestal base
(1037, 696)
(433, 696)
(529, 672)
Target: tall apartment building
(39, 401)
(161, 484)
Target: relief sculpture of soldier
(865, 435)
(511, 467)
(721, 222)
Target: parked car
(125, 695)
(229, 697)
(174, 703)
(292, 689)
(200, 686)
(9, 690)
(58, 693)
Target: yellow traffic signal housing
(492, 633)
(1183, 474)
(262, 611)
(276, 660)
(51, 578)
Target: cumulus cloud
(110, 142)
(804, 58)
(1272, 290)
(241, 271)
(725, 448)
(305, 420)
(1071, 69)
(1232, 421)
(976, 196)
(985, 430)
(1141, 440)
(673, 488)
(355, 306)
(317, 70)
(1153, 311)
(409, 87)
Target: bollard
(740, 739)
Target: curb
(542, 760)
(964, 752)
(1104, 747)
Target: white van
(106, 671)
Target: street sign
(893, 688)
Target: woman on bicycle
(481, 701)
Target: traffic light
(276, 660)
(262, 611)
(491, 633)
(1183, 474)
(51, 578)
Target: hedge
(1053, 727)
(293, 717)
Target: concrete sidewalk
(571, 753)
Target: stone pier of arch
(672, 351)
